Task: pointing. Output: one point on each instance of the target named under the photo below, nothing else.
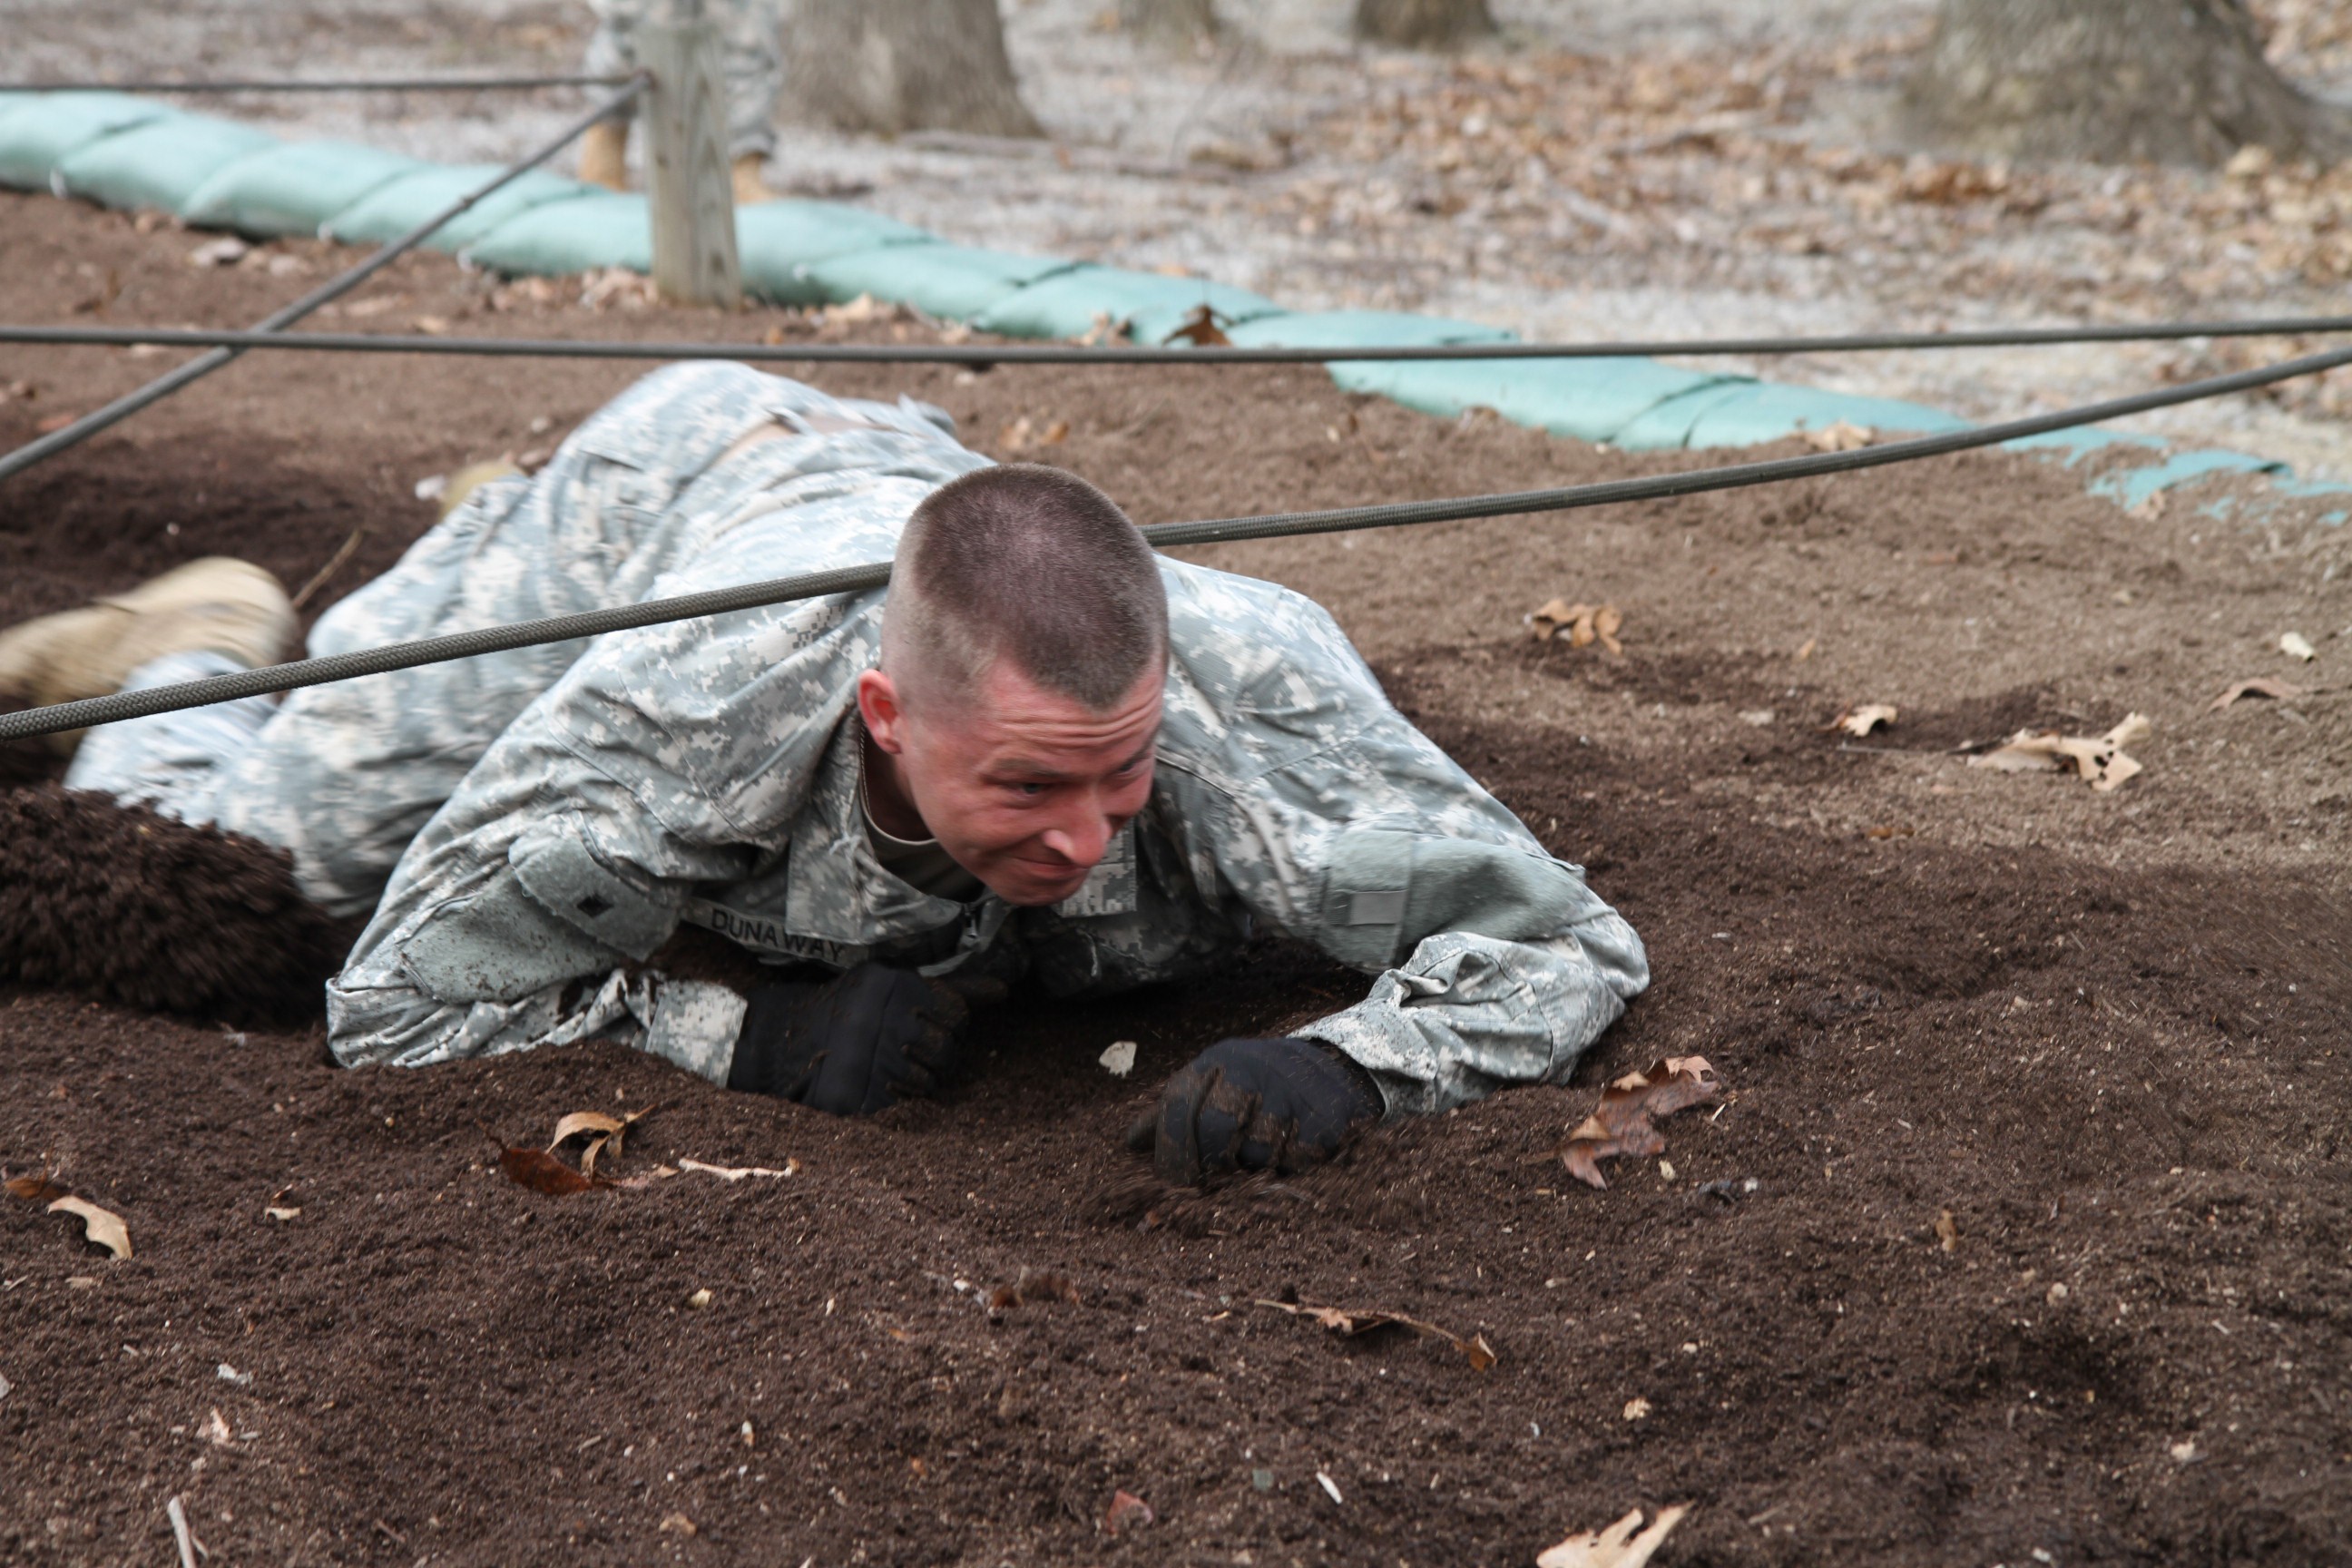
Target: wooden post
(688, 187)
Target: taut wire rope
(352, 84)
(87, 711)
(1143, 354)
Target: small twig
(1891, 751)
(181, 1536)
(334, 564)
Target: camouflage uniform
(750, 32)
(707, 772)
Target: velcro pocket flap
(500, 946)
(571, 882)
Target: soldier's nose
(1081, 840)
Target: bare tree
(1177, 23)
(1424, 24)
(904, 65)
(2172, 81)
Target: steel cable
(355, 84)
(162, 387)
(1139, 353)
(289, 677)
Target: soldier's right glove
(850, 1046)
(1255, 1105)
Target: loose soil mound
(2026, 1226)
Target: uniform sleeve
(1312, 803)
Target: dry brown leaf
(1348, 1324)
(1862, 719)
(1585, 623)
(1889, 830)
(1948, 1230)
(1127, 1510)
(609, 1129)
(101, 1226)
(2101, 760)
(1842, 436)
(677, 1523)
(543, 1172)
(1032, 1288)
(216, 1432)
(1621, 1123)
(1617, 1546)
(1204, 327)
(2258, 686)
(33, 1189)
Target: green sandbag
(1067, 304)
(159, 164)
(953, 281)
(582, 235)
(1590, 399)
(1769, 411)
(779, 241)
(39, 130)
(1667, 426)
(293, 188)
(392, 210)
(1347, 329)
(2128, 488)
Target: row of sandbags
(127, 151)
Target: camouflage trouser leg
(346, 776)
(173, 761)
(752, 31)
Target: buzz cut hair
(1030, 564)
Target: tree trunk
(1424, 24)
(904, 65)
(1178, 24)
(2168, 81)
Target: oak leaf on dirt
(1861, 720)
(2100, 759)
(1204, 327)
(1584, 624)
(33, 1189)
(543, 1172)
(608, 1128)
(1127, 1510)
(1844, 436)
(1622, 1123)
(103, 1226)
(1617, 1546)
(2260, 685)
(1033, 1289)
(1349, 1322)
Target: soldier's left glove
(864, 1039)
(1255, 1105)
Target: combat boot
(216, 604)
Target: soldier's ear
(885, 715)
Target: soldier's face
(1026, 787)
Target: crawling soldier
(1044, 757)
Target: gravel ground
(1284, 158)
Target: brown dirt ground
(2106, 1033)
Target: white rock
(1119, 1060)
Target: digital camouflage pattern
(546, 818)
(750, 32)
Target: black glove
(1255, 1104)
(869, 1037)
